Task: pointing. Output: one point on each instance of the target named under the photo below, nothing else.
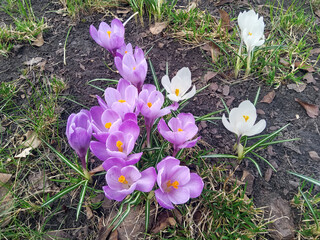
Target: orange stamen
(250, 33)
(109, 32)
(175, 184)
(180, 130)
(122, 179)
(177, 92)
(119, 146)
(121, 100)
(149, 104)
(108, 125)
(246, 118)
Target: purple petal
(99, 150)
(168, 162)
(130, 127)
(179, 196)
(168, 109)
(195, 185)
(163, 199)
(131, 173)
(113, 162)
(102, 103)
(133, 158)
(122, 85)
(181, 174)
(116, 194)
(175, 124)
(94, 34)
(112, 177)
(189, 144)
(111, 95)
(147, 180)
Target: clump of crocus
(149, 104)
(179, 85)
(176, 184)
(242, 122)
(252, 34)
(123, 181)
(180, 131)
(109, 37)
(133, 67)
(119, 143)
(79, 132)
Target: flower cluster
(114, 125)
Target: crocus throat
(175, 184)
(108, 125)
(149, 104)
(134, 68)
(180, 130)
(125, 52)
(119, 146)
(250, 33)
(121, 100)
(122, 179)
(109, 32)
(177, 92)
(246, 118)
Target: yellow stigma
(149, 104)
(108, 125)
(246, 118)
(175, 184)
(134, 68)
(180, 130)
(250, 33)
(119, 146)
(121, 100)
(125, 51)
(177, 92)
(109, 32)
(122, 179)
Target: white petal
(227, 125)
(256, 129)
(189, 94)
(174, 98)
(185, 73)
(165, 81)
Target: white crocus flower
(179, 85)
(252, 34)
(242, 119)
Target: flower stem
(148, 137)
(236, 71)
(248, 64)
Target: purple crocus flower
(176, 184)
(119, 143)
(133, 67)
(79, 131)
(120, 162)
(111, 38)
(181, 129)
(124, 49)
(123, 181)
(123, 99)
(150, 103)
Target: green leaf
(279, 141)
(225, 106)
(257, 155)
(264, 140)
(309, 179)
(310, 207)
(155, 79)
(256, 164)
(63, 158)
(257, 96)
(82, 195)
(147, 215)
(220, 156)
(62, 193)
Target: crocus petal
(163, 199)
(147, 180)
(227, 125)
(195, 185)
(115, 194)
(99, 150)
(165, 81)
(113, 162)
(189, 94)
(257, 128)
(131, 173)
(189, 144)
(179, 196)
(181, 174)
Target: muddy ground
(85, 61)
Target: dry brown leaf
(225, 90)
(89, 212)
(315, 51)
(33, 61)
(39, 41)
(24, 153)
(303, 66)
(5, 177)
(191, 6)
(96, 170)
(309, 77)
(32, 140)
(209, 75)
(114, 235)
(123, 11)
(158, 27)
(312, 110)
(164, 220)
(314, 155)
(225, 20)
(297, 87)
(105, 232)
(284, 62)
(317, 13)
(215, 52)
(269, 97)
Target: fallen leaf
(315, 51)
(297, 87)
(33, 61)
(225, 20)
(191, 6)
(303, 66)
(114, 235)
(269, 97)
(267, 175)
(284, 62)
(39, 41)
(317, 12)
(158, 27)
(312, 110)
(24, 153)
(209, 75)
(82, 67)
(123, 11)
(42, 65)
(32, 140)
(164, 220)
(215, 52)
(96, 170)
(314, 155)
(225, 90)
(309, 77)
(260, 111)
(5, 177)
(89, 212)
(213, 87)
(105, 232)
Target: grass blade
(310, 207)
(256, 164)
(147, 215)
(63, 192)
(155, 79)
(83, 193)
(309, 179)
(257, 96)
(220, 156)
(257, 155)
(63, 158)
